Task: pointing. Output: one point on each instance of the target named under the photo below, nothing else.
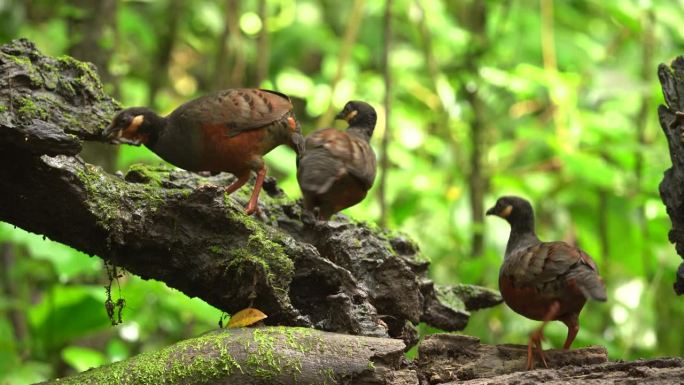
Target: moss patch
(449, 298)
(86, 75)
(262, 249)
(107, 194)
(266, 354)
(26, 64)
(28, 110)
(186, 363)
(143, 173)
(265, 360)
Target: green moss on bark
(262, 248)
(264, 353)
(28, 110)
(105, 196)
(187, 362)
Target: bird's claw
(535, 343)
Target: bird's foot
(535, 343)
(252, 208)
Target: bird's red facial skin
(292, 123)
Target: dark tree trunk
(671, 118)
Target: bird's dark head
(135, 125)
(359, 115)
(515, 210)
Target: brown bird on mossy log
(230, 130)
(544, 281)
(337, 168)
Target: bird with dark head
(227, 131)
(543, 281)
(337, 168)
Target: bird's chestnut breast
(533, 301)
(234, 154)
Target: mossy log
(269, 355)
(283, 355)
(671, 118)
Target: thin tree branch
(159, 71)
(387, 134)
(236, 41)
(350, 35)
(642, 123)
(263, 53)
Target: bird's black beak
(502, 210)
(297, 142)
(110, 132)
(346, 114)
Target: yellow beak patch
(506, 211)
(351, 115)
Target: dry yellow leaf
(245, 317)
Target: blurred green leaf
(81, 358)
(68, 312)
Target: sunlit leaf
(245, 317)
(81, 358)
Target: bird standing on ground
(229, 130)
(336, 169)
(544, 281)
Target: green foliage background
(558, 97)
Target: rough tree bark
(671, 118)
(178, 227)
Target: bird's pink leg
(253, 201)
(241, 180)
(573, 328)
(538, 335)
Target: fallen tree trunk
(281, 355)
(271, 355)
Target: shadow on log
(671, 118)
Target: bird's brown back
(335, 170)
(226, 131)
